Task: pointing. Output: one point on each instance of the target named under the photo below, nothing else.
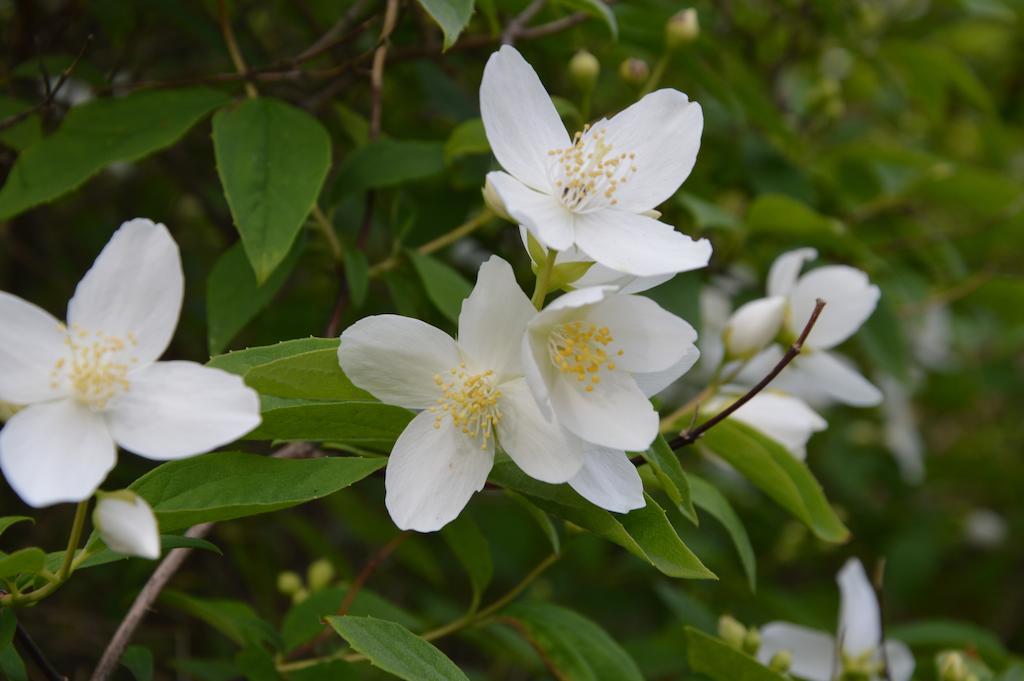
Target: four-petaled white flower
(593, 357)
(592, 191)
(783, 418)
(860, 651)
(471, 393)
(127, 525)
(95, 381)
(818, 375)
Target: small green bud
(320, 574)
(288, 582)
(952, 667)
(781, 661)
(682, 28)
(752, 641)
(584, 69)
(731, 631)
(299, 596)
(634, 71)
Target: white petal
(56, 452)
(31, 344)
(493, 320)
(538, 371)
(581, 297)
(432, 473)
(650, 337)
(616, 414)
(902, 436)
(782, 417)
(395, 359)
(177, 409)
(754, 325)
(850, 299)
(859, 616)
(127, 525)
(540, 447)
(840, 381)
(519, 118)
(654, 382)
(134, 289)
(814, 652)
(609, 480)
(639, 245)
(901, 661)
(785, 270)
(663, 129)
(542, 214)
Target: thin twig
(879, 583)
(232, 45)
(516, 26)
(158, 580)
(688, 437)
(35, 653)
(336, 35)
(14, 119)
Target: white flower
(814, 653)
(95, 383)
(127, 524)
(592, 191)
(818, 375)
(783, 418)
(593, 357)
(901, 434)
(471, 393)
(753, 326)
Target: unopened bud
(731, 631)
(494, 201)
(289, 582)
(752, 641)
(683, 28)
(126, 524)
(753, 326)
(952, 667)
(584, 69)
(320, 574)
(299, 596)
(781, 661)
(634, 71)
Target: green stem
(656, 75)
(540, 291)
(77, 525)
(437, 244)
(327, 229)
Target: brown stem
(232, 44)
(14, 119)
(516, 26)
(689, 436)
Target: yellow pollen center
(96, 366)
(471, 400)
(581, 348)
(587, 174)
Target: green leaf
(139, 661)
(314, 375)
(669, 472)
(651, 530)
(712, 657)
(234, 619)
(445, 287)
(596, 9)
(451, 15)
(395, 649)
(474, 553)
(466, 139)
(386, 163)
(714, 502)
(234, 297)
(782, 216)
(776, 472)
(241, 361)
(24, 562)
(707, 215)
(357, 275)
(272, 160)
(21, 135)
(575, 647)
(371, 424)
(11, 666)
(228, 485)
(9, 520)
(98, 133)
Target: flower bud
(289, 582)
(952, 667)
(126, 524)
(494, 201)
(753, 326)
(320, 574)
(682, 29)
(299, 596)
(731, 631)
(781, 661)
(752, 641)
(634, 71)
(584, 69)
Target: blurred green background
(888, 134)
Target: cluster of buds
(737, 636)
(953, 667)
(319, 576)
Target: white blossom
(127, 525)
(753, 326)
(94, 383)
(783, 418)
